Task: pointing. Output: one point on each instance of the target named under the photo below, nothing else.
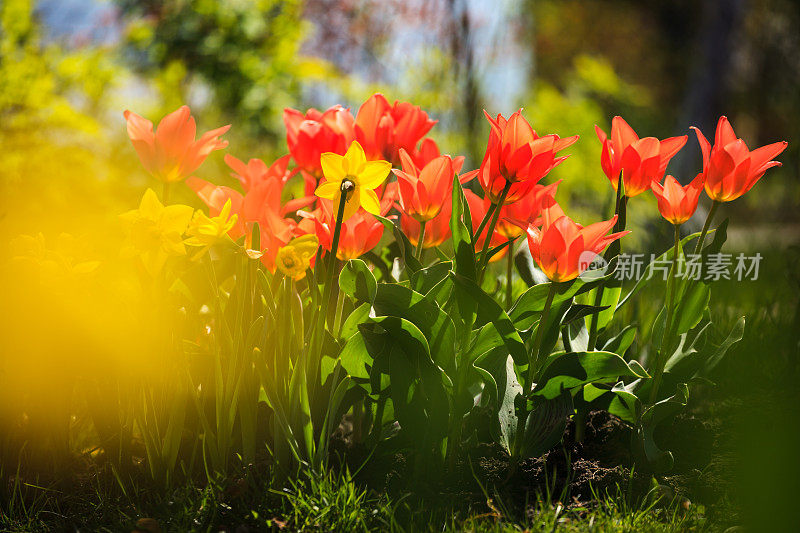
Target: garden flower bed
(366, 307)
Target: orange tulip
(525, 211)
(641, 161)
(260, 204)
(516, 154)
(730, 169)
(437, 229)
(562, 248)
(255, 171)
(382, 128)
(312, 134)
(428, 151)
(359, 234)
(171, 153)
(423, 191)
(676, 203)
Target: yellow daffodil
(206, 231)
(294, 258)
(358, 176)
(156, 231)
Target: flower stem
(509, 274)
(483, 223)
(711, 212)
(662, 350)
(534, 365)
(615, 248)
(337, 321)
(421, 241)
(322, 312)
(484, 257)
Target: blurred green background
(68, 68)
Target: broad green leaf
(529, 306)
(647, 275)
(357, 281)
(622, 341)
(546, 423)
(464, 253)
(406, 249)
(395, 300)
(359, 315)
(488, 310)
(646, 452)
(620, 400)
(426, 279)
(719, 352)
(575, 369)
(355, 357)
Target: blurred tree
(50, 105)
(246, 52)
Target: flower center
(348, 185)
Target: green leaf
(406, 249)
(622, 341)
(575, 369)
(506, 389)
(529, 306)
(395, 300)
(355, 357)
(646, 451)
(488, 310)
(359, 315)
(690, 310)
(464, 253)
(426, 279)
(546, 423)
(418, 386)
(357, 281)
(648, 271)
(578, 311)
(620, 400)
(736, 334)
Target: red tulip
(676, 203)
(641, 161)
(382, 129)
(312, 134)
(516, 154)
(730, 169)
(525, 211)
(563, 248)
(423, 191)
(171, 153)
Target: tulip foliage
(372, 295)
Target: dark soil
(573, 473)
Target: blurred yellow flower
(360, 175)
(294, 258)
(156, 231)
(206, 231)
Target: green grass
(328, 502)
